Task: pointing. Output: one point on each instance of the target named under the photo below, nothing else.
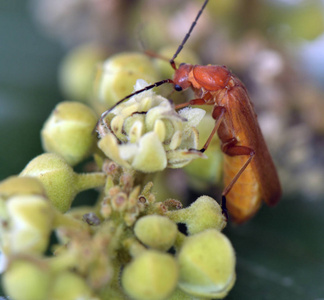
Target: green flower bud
(15, 185)
(202, 214)
(30, 219)
(150, 276)
(133, 247)
(25, 214)
(60, 182)
(27, 280)
(119, 202)
(147, 134)
(77, 71)
(207, 265)
(156, 231)
(70, 286)
(69, 131)
(118, 75)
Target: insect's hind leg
(230, 148)
(224, 208)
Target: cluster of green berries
(125, 244)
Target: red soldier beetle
(249, 172)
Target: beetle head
(181, 77)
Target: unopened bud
(207, 265)
(204, 213)
(60, 181)
(157, 283)
(117, 76)
(69, 131)
(77, 71)
(30, 221)
(156, 231)
(27, 280)
(69, 286)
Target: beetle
(250, 175)
(249, 172)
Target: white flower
(146, 133)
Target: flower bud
(30, 219)
(15, 185)
(77, 71)
(207, 265)
(26, 217)
(118, 75)
(70, 286)
(27, 280)
(202, 214)
(150, 276)
(119, 202)
(69, 131)
(156, 232)
(60, 181)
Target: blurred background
(275, 47)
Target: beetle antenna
(149, 87)
(173, 65)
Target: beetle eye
(178, 88)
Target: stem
(62, 220)
(88, 181)
(113, 290)
(179, 241)
(134, 247)
(179, 216)
(62, 262)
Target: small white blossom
(147, 134)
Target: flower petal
(151, 155)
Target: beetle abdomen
(244, 199)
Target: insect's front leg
(198, 101)
(217, 114)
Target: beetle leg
(224, 208)
(231, 149)
(198, 101)
(217, 114)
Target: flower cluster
(125, 243)
(147, 134)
